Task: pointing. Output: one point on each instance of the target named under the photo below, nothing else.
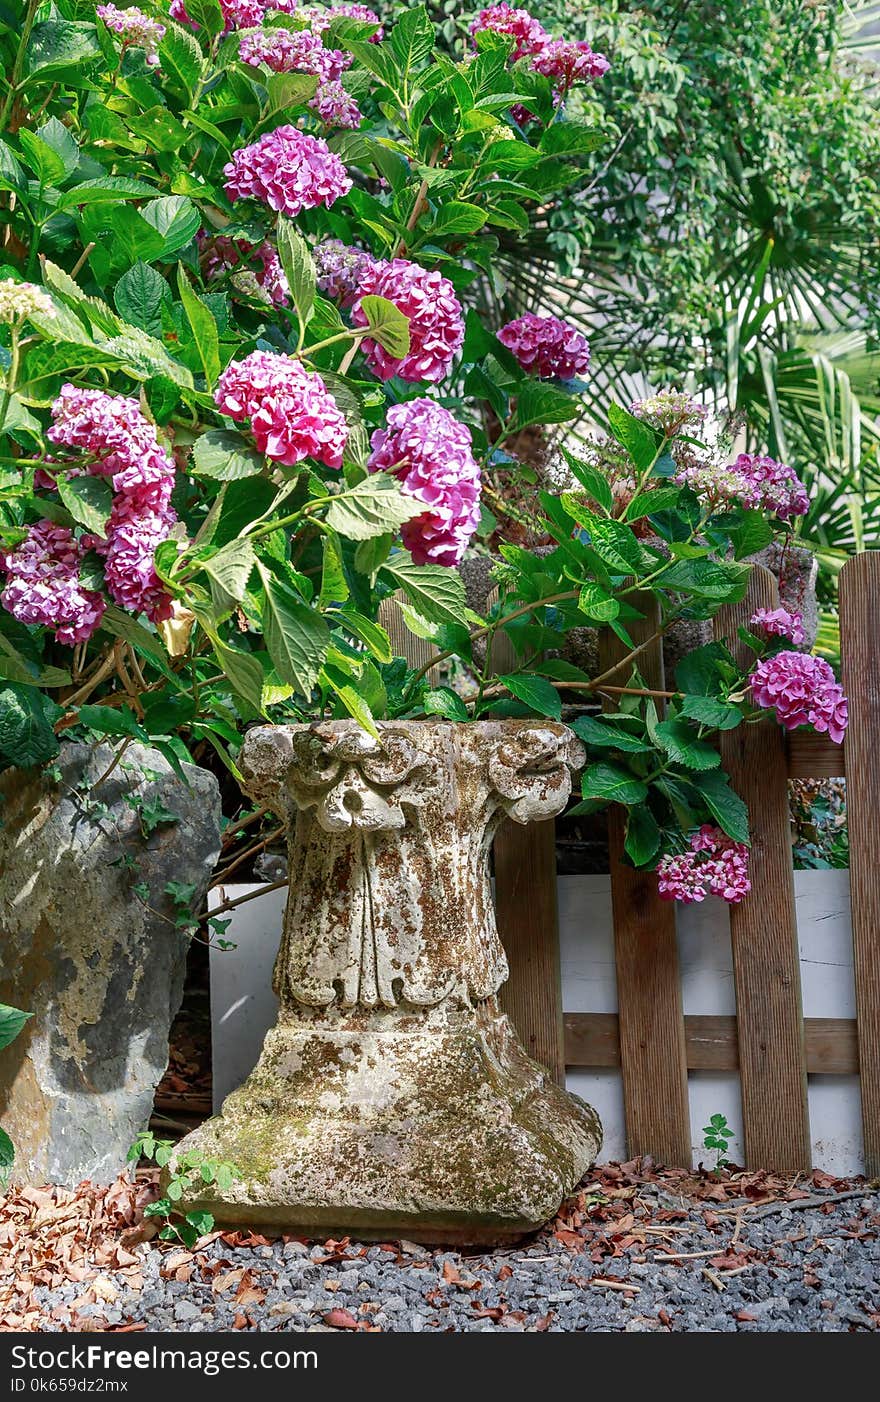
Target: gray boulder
(99, 963)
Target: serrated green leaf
(708, 710)
(604, 734)
(642, 442)
(435, 592)
(373, 507)
(642, 840)
(299, 269)
(224, 456)
(296, 636)
(612, 784)
(726, 807)
(204, 328)
(443, 701)
(683, 746)
(535, 692)
(88, 499)
(139, 297)
(389, 328)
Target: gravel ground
(632, 1252)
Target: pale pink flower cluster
(293, 415)
(715, 865)
(429, 451)
(289, 50)
(336, 107)
(288, 170)
(529, 34)
(239, 14)
(340, 270)
(771, 485)
(801, 690)
(122, 444)
(43, 588)
(779, 623)
(670, 410)
(569, 61)
(136, 30)
(220, 254)
(436, 323)
(546, 346)
(321, 19)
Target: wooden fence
(769, 1042)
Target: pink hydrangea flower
(569, 61)
(779, 623)
(341, 270)
(136, 30)
(802, 690)
(289, 50)
(436, 323)
(336, 107)
(715, 865)
(120, 442)
(221, 254)
(43, 588)
(429, 452)
(288, 170)
(239, 14)
(134, 531)
(321, 19)
(293, 415)
(546, 346)
(771, 485)
(529, 34)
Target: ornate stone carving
(393, 1094)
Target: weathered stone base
(432, 1124)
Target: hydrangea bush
(248, 399)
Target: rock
(393, 1098)
(100, 967)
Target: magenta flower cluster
(771, 485)
(293, 415)
(529, 34)
(321, 19)
(801, 690)
(293, 50)
(135, 29)
(430, 453)
(714, 865)
(436, 323)
(566, 61)
(288, 170)
(43, 587)
(546, 346)
(340, 270)
(220, 254)
(336, 107)
(238, 14)
(779, 623)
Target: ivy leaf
(726, 807)
(683, 747)
(299, 269)
(297, 636)
(12, 1020)
(373, 507)
(204, 328)
(389, 328)
(642, 442)
(612, 784)
(224, 455)
(435, 592)
(88, 499)
(535, 692)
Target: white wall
(244, 1007)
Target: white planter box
(244, 1007)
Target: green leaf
(597, 732)
(7, 1156)
(571, 139)
(650, 502)
(105, 189)
(12, 1020)
(753, 534)
(389, 328)
(26, 735)
(537, 403)
(204, 328)
(355, 704)
(297, 636)
(225, 456)
(372, 635)
(88, 499)
(642, 840)
(683, 747)
(113, 720)
(612, 541)
(57, 43)
(641, 441)
(373, 507)
(595, 481)
(289, 90)
(435, 592)
(180, 56)
(207, 14)
(412, 39)
(140, 295)
(596, 603)
(535, 692)
(299, 269)
(334, 585)
(726, 807)
(717, 580)
(458, 217)
(242, 671)
(231, 568)
(122, 625)
(612, 784)
(46, 164)
(443, 701)
(708, 710)
(174, 217)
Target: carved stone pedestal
(393, 1098)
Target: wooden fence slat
(417, 651)
(653, 1062)
(528, 922)
(593, 1040)
(814, 756)
(763, 931)
(860, 655)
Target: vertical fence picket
(528, 923)
(860, 655)
(417, 651)
(652, 1040)
(770, 1028)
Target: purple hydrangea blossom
(801, 690)
(288, 170)
(546, 346)
(436, 323)
(292, 413)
